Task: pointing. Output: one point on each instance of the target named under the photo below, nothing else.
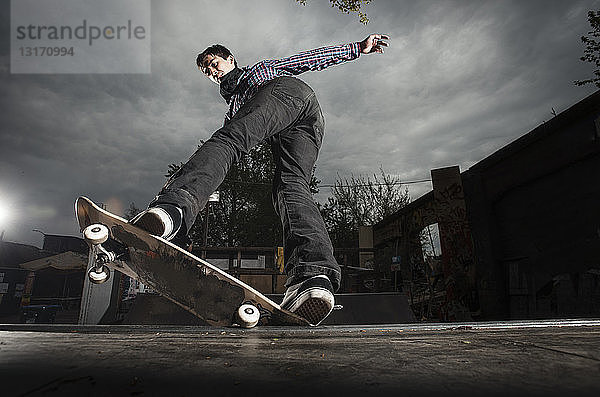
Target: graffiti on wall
(445, 205)
(456, 243)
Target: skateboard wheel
(99, 275)
(248, 315)
(96, 233)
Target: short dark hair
(214, 50)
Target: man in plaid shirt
(266, 104)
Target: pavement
(545, 358)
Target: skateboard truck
(95, 235)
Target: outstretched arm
(324, 57)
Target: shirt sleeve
(317, 59)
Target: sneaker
(163, 220)
(312, 299)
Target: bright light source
(4, 214)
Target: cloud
(459, 81)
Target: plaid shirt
(318, 59)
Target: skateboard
(192, 283)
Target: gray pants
(285, 112)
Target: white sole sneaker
(311, 299)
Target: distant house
(520, 230)
(51, 275)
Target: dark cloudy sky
(460, 80)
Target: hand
(374, 43)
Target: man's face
(215, 67)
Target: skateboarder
(266, 104)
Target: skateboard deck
(192, 283)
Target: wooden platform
(545, 358)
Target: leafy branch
(592, 49)
(348, 6)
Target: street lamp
(42, 233)
(214, 198)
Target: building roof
(11, 254)
(63, 261)
(576, 112)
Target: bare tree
(361, 201)
(131, 211)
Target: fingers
(378, 43)
(377, 36)
(374, 43)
